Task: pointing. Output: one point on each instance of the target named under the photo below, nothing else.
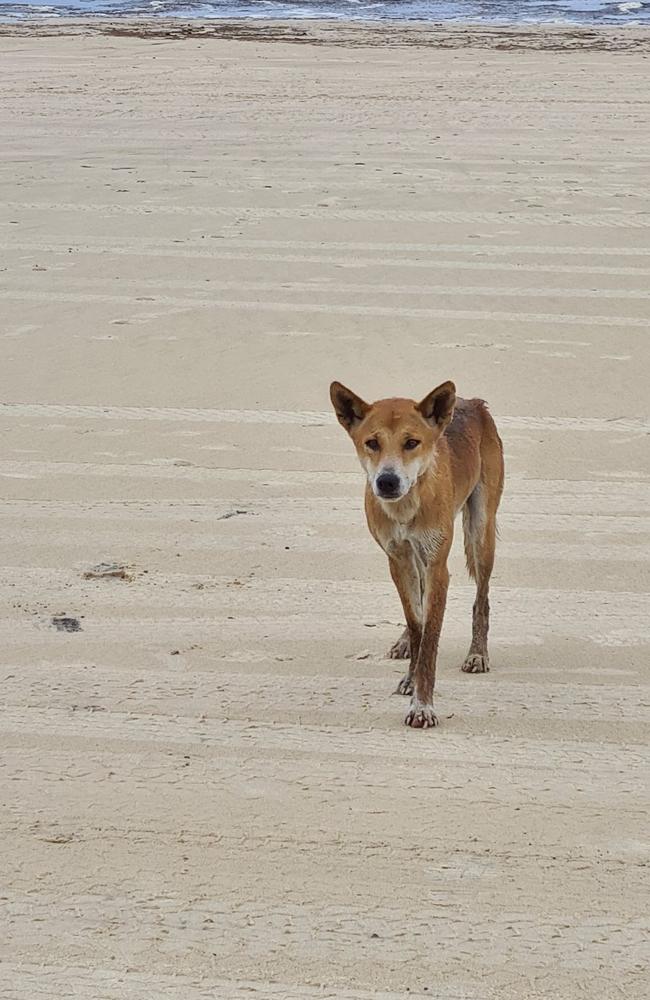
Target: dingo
(424, 462)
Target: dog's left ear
(350, 409)
(438, 407)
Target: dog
(424, 463)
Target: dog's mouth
(390, 495)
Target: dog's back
(475, 451)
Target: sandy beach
(207, 787)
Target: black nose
(388, 484)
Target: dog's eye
(410, 444)
(372, 444)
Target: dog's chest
(398, 536)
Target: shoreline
(351, 34)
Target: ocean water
(588, 12)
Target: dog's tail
(474, 519)
(480, 510)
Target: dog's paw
(401, 650)
(476, 663)
(420, 716)
(405, 685)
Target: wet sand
(208, 789)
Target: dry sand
(207, 790)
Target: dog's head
(395, 438)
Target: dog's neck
(402, 511)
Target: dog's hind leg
(480, 528)
(480, 536)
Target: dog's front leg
(406, 577)
(421, 714)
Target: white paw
(405, 685)
(401, 650)
(420, 716)
(476, 663)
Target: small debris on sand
(64, 624)
(232, 513)
(105, 569)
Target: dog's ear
(349, 408)
(438, 407)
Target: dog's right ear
(349, 408)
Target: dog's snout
(388, 484)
